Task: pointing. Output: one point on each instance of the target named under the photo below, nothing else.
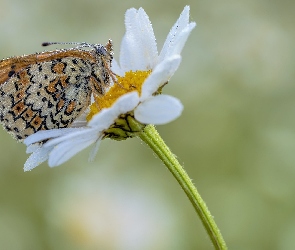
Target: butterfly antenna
(76, 43)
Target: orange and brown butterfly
(51, 89)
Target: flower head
(140, 75)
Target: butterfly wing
(13, 65)
(43, 93)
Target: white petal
(47, 134)
(159, 76)
(106, 117)
(103, 119)
(180, 24)
(67, 149)
(158, 110)
(116, 68)
(138, 48)
(181, 40)
(81, 120)
(126, 54)
(33, 147)
(36, 158)
(126, 103)
(94, 150)
(148, 39)
(83, 132)
(79, 124)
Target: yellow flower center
(132, 81)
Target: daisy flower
(136, 94)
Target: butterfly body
(51, 89)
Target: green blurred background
(236, 137)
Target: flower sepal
(126, 126)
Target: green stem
(152, 138)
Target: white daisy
(141, 73)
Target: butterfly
(51, 89)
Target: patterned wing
(12, 65)
(45, 95)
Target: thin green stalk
(152, 138)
